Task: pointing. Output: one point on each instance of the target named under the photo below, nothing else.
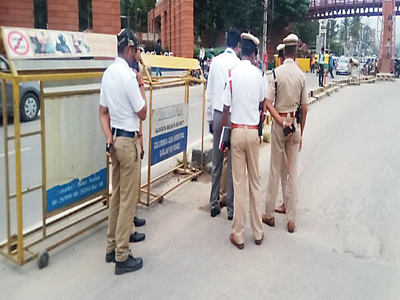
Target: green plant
(164, 49)
(196, 51)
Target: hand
(139, 75)
(288, 123)
(301, 144)
(141, 147)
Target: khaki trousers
(245, 153)
(224, 177)
(125, 184)
(281, 147)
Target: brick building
(62, 15)
(173, 21)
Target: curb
(319, 93)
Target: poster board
(23, 43)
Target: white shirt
(217, 80)
(248, 90)
(120, 93)
(202, 54)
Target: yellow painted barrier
(304, 64)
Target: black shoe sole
(139, 225)
(137, 241)
(128, 270)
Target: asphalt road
(346, 244)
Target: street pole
(264, 37)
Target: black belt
(124, 133)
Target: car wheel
(29, 107)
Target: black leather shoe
(139, 222)
(131, 264)
(110, 257)
(230, 218)
(215, 212)
(137, 237)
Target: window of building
(40, 13)
(85, 15)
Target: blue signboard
(169, 132)
(168, 144)
(75, 190)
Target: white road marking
(13, 152)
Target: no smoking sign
(18, 43)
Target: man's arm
(143, 112)
(303, 117)
(104, 116)
(268, 105)
(209, 94)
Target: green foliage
(196, 51)
(216, 16)
(136, 11)
(164, 49)
(307, 31)
(283, 12)
(337, 48)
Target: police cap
(126, 37)
(291, 40)
(280, 47)
(249, 42)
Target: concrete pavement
(346, 245)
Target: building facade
(62, 15)
(173, 21)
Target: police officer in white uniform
(215, 87)
(244, 93)
(122, 107)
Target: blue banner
(75, 190)
(168, 144)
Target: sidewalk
(187, 255)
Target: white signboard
(169, 132)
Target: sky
(373, 22)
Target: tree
(355, 28)
(307, 31)
(284, 12)
(136, 11)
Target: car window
(3, 65)
(344, 60)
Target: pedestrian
(122, 108)
(288, 91)
(158, 51)
(202, 56)
(312, 64)
(321, 67)
(244, 94)
(217, 80)
(331, 65)
(388, 48)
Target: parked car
(29, 96)
(343, 66)
(397, 67)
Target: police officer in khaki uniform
(122, 107)
(243, 94)
(288, 91)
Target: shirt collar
(229, 50)
(288, 61)
(246, 62)
(121, 61)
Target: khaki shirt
(291, 87)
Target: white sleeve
(133, 93)
(227, 95)
(103, 98)
(209, 94)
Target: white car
(343, 66)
